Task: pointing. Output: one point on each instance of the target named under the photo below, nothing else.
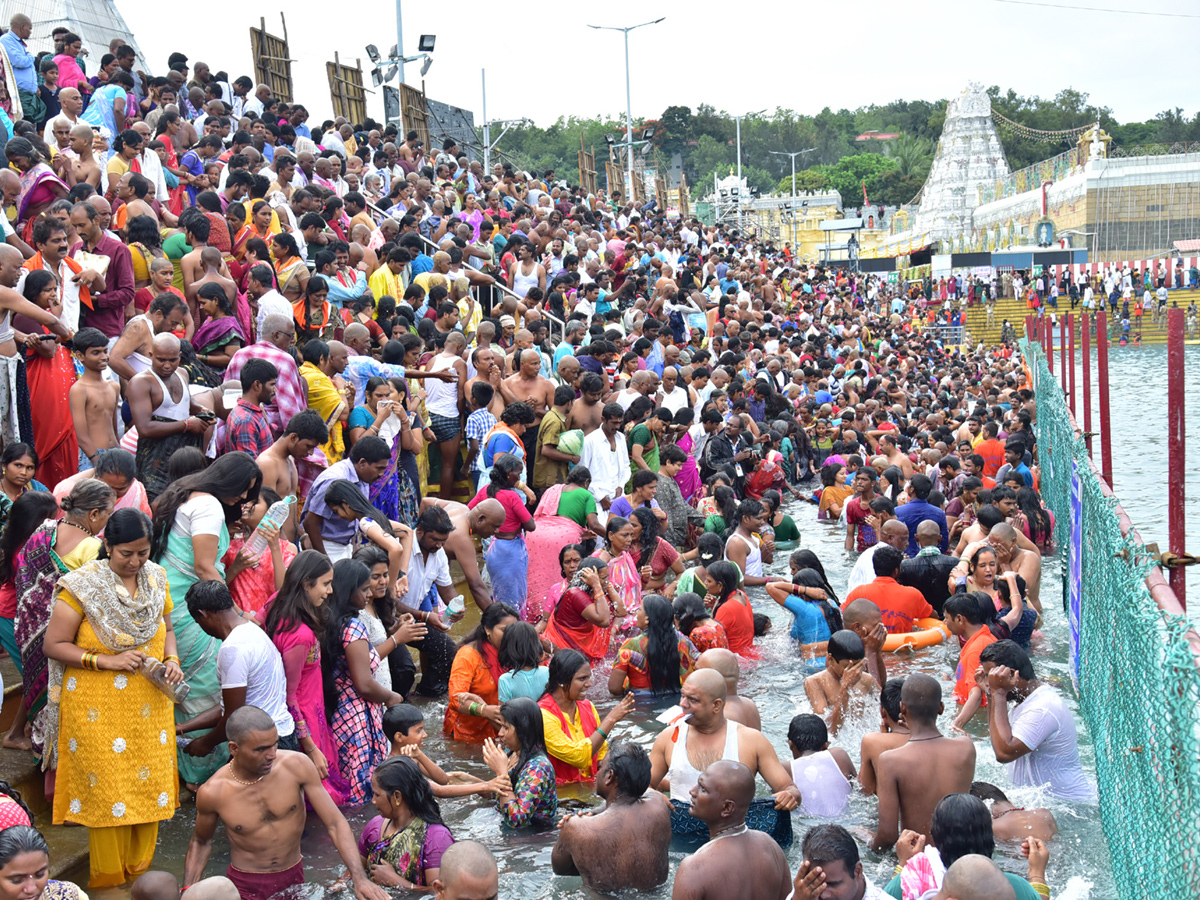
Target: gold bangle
(172, 658)
(898, 870)
(1042, 889)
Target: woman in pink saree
(623, 573)
(688, 479)
(553, 532)
(39, 185)
(294, 622)
(565, 515)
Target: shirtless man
(260, 796)
(93, 399)
(303, 433)
(481, 522)
(131, 353)
(703, 741)
(1014, 823)
(1014, 558)
(133, 189)
(914, 777)
(975, 877)
(587, 412)
(213, 271)
(891, 734)
(889, 448)
(487, 370)
(84, 167)
(527, 386)
(196, 228)
(468, 872)
(740, 709)
(736, 863)
(864, 618)
(624, 846)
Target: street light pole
(400, 41)
(793, 156)
(738, 119)
(628, 97)
(487, 132)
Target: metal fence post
(1106, 467)
(1071, 361)
(1176, 450)
(1062, 351)
(1086, 371)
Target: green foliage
(703, 142)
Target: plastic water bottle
(276, 515)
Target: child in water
(844, 676)
(521, 656)
(822, 773)
(404, 727)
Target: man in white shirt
(260, 288)
(1038, 742)
(606, 457)
(249, 668)
(892, 533)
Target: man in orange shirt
(964, 618)
(900, 606)
(991, 449)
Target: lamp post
(738, 119)
(628, 96)
(793, 156)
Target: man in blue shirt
(23, 69)
(919, 510)
(330, 533)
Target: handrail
(562, 326)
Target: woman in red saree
(50, 373)
(582, 619)
(169, 124)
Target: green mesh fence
(1138, 681)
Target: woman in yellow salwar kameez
(113, 729)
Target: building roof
(878, 136)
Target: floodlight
(608, 139)
(373, 52)
(394, 52)
(425, 67)
(377, 76)
(391, 73)
(425, 44)
(648, 134)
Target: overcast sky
(547, 63)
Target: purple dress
(358, 723)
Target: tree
(676, 122)
(814, 179)
(913, 155)
(848, 175)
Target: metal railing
(496, 283)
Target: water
(1079, 863)
(1138, 406)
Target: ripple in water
(1079, 864)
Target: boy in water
(844, 675)
(404, 727)
(93, 399)
(891, 734)
(964, 618)
(822, 773)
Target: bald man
(10, 189)
(528, 386)
(737, 708)
(683, 750)
(930, 569)
(467, 872)
(892, 533)
(164, 419)
(470, 526)
(975, 877)
(736, 863)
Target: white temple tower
(969, 154)
(97, 22)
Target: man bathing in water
(737, 708)
(260, 796)
(720, 799)
(625, 844)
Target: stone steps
(68, 845)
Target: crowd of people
(252, 371)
